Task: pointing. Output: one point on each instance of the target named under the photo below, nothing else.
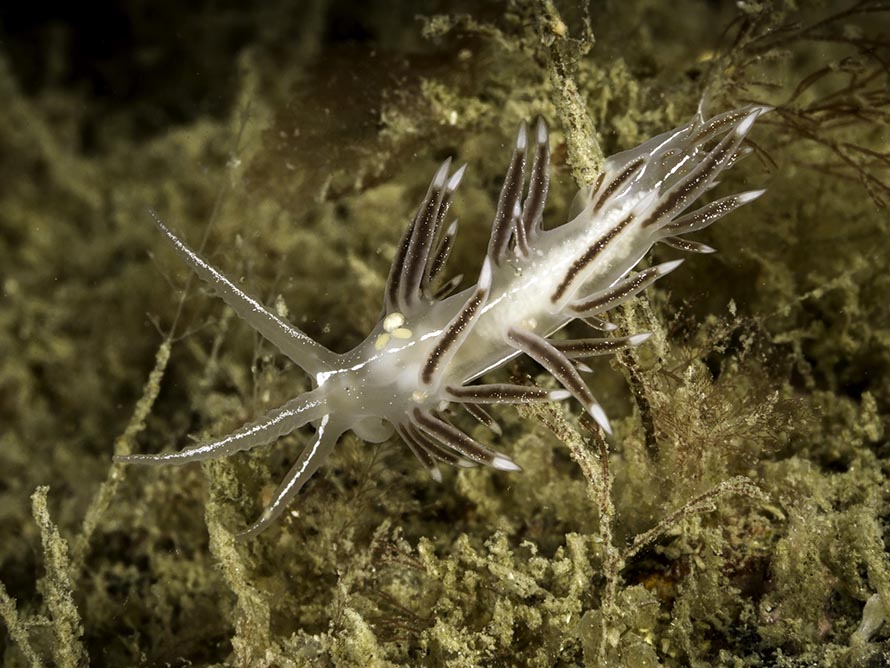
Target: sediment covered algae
(738, 517)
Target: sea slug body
(432, 343)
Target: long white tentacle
(291, 341)
(272, 426)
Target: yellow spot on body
(402, 333)
(381, 341)
(393, 321)
(418, 396)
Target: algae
(738, 517)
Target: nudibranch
(431, 343)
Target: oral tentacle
(272, 426)
(302, 350)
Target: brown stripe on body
(452, 334)
(617, 182)
(624, 289)
(587, 257)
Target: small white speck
(402, 333)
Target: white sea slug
(431, 345)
